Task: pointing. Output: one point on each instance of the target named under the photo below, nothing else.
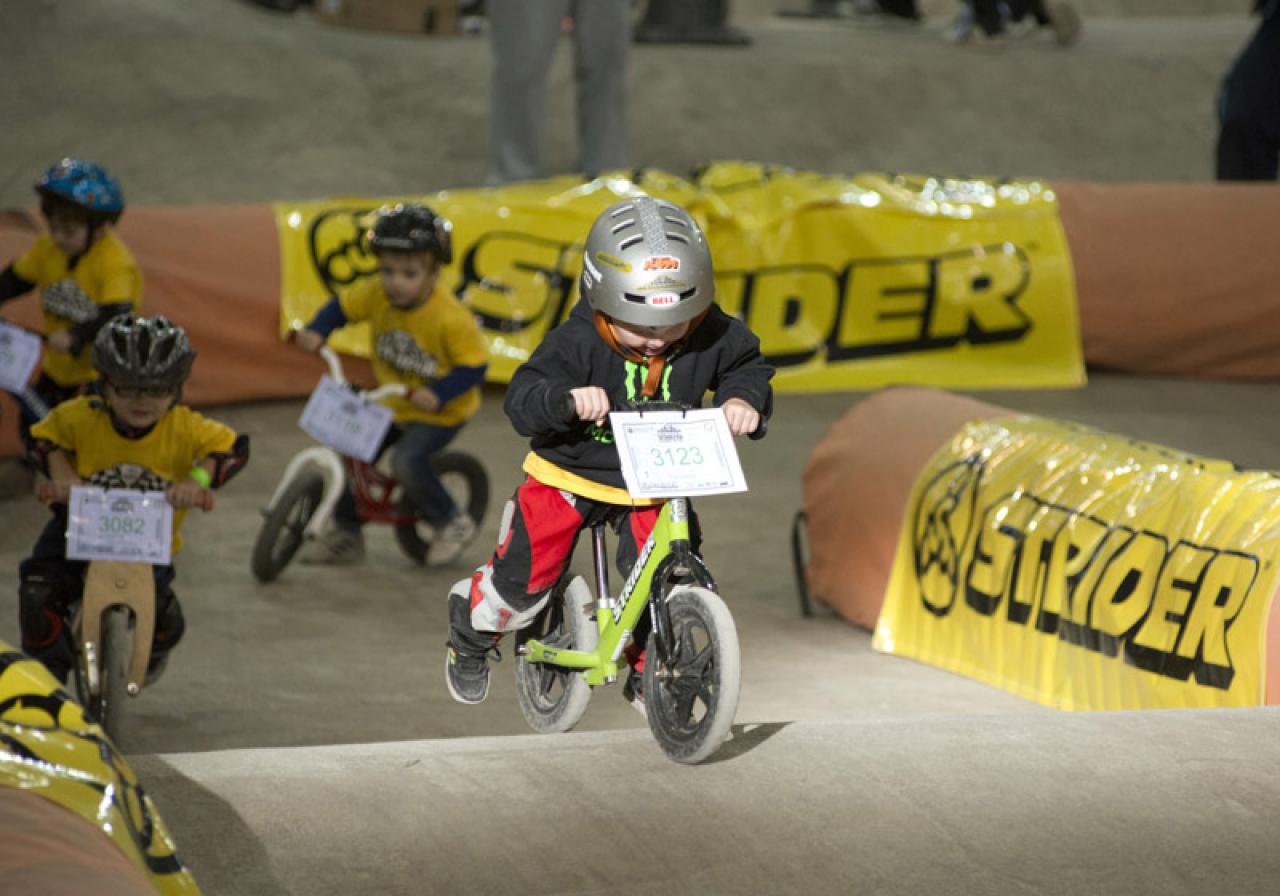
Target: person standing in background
(523, 39)
(1249, 105)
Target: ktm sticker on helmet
(661, 263)
(614, 262)
(662, 299)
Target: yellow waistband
(548, 473)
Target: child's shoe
(451, 539)
(1066, 23)
(466, 669)
(337, 547)
(633, 687)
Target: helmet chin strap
(653, 364)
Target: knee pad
(39, 614)
(491, 612)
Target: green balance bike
(691, 670)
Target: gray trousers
(523, 36)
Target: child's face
(408, 278)
(139, 408)
(650, 341)
(70, 232)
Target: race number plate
(346, 423)
(19, 354)
(119, 524)
(668, 454)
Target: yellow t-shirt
(82, 428)
(106, 275)
(418, 347)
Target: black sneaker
(633, 691)
(467, 676)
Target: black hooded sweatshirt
(721, 356)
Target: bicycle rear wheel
(285, 525)
(691, 700)
(554, 699)
(466, 481)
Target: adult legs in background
(601, 39)
(523, 35)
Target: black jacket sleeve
(83, 333)
(12, 286)
(538, 393)
(743, 371)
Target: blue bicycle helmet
(83, 184)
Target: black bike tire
(719, 677)
(535, 682)
(115, 657)
(449, 463)
(269, 557)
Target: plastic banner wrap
(1085, 570)
(849, 282)
(48, 747)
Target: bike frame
(666, 557)
(371, 487)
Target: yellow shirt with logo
(82, 428)
(106, 274)
(418, 347)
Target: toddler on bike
(84, 271)
(647, 327)
(134, 433)
(422, 338)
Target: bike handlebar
(334, 361)
(569, 411)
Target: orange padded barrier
(857, 484)
(1178, 279)
(50, 850)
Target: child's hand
(308, 340)
(741, 417)
(590, 403)
(424, 399)
(55, 491)
(187, 494)
(60, 340)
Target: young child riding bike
(84, 271)
(647, 327)
(427, 340)
(134, 433)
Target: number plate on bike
(669, 454)
(344, 421)
(119, 524)
(19, 353)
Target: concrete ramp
(1132, 803)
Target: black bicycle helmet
(143, 352)
(409, 227)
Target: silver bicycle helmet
(143, 352)
(647, 263)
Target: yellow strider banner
(850, 283)
(1086, 571)
(49, 748)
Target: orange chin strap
(653, 364)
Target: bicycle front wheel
(117, 655)
(692, 699)
(554, 699)
(285, 525)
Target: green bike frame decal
(617, 622)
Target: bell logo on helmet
(662, 299)
(661, 263)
